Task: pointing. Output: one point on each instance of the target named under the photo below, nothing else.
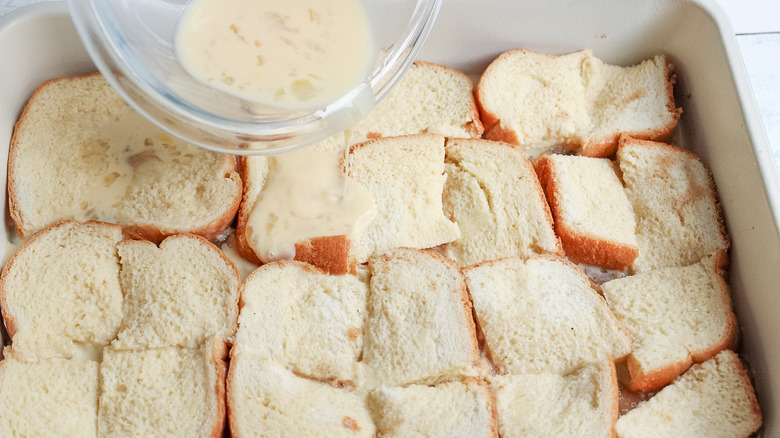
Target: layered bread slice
(60, 293)
(305, 320)
(583, 403)
(465, 409)
(80, 152)
(542, 315)
(420, 327)
(50, 397)
(593, 217)
(679, 220)
(267, 400)
(575, 100)
(712, 399)
(492, 193)
(676, 317)
(170, 391)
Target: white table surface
(757, 27)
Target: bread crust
(8, 317)
(581, 248)
(219, 353)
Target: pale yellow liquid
(292, 54)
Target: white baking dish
(720, 121)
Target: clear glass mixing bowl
(132, 44)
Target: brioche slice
(454, 409)
(542, 315)
(420, 327)
(51, 397)
(267, 400)
(60, 293)
(80, 152)
(304, 319)
(673, 195)
(406, 176)
(712, 399)
(176, 295)
(592, 214)
(581, 404)
(538, 100)
(172, 392)
(492, 193)
(676, 317)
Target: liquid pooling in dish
(295, 54)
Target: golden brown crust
(244, 209)
(8, 318)
(615, 409)
(232, 423)
(218, 355)
(578, 247)
(492, 406)
(330, 253)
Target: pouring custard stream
(291, 54)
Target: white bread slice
(713, 399)
(60, 293)
(406, 176)
(581, 404)
(172, 392)
(576, 100)
(267, 400)
(80, 152)
(542, 315)
(430, 98)
(51, 397)
(673, 194)
(676, 317)
(176, 295)
(454, 409)
(492, 193)
(420, 327)
(304, 319)
(592, 214)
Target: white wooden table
(757, 27)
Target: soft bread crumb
(542, 315)
(583, 403)
(492, 193)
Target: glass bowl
(132, 42)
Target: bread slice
(176, 295)
(454, 409)
(492, 193)
(581, 404)
(673, 195)
(542, 315)
(174, 392)
(60, 293)
(267, 400)
(592, 214)
(576, 100)
(304, 319)
(51, 397)
(406, 176)
(712, 399)
(420, 327)
(80, 152)
(676, 316)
